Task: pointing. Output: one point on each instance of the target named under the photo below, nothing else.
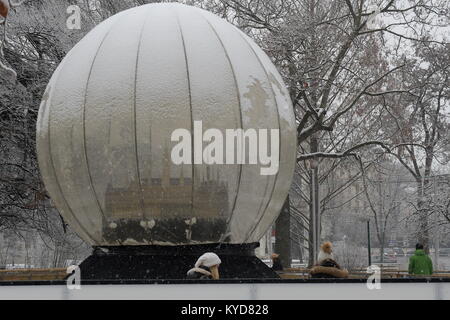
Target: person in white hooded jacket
(206, 267)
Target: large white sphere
(105, 124)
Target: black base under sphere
(172, 262)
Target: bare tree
(419, 121)
(354, 87)
(383, 192)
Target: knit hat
(208, 259)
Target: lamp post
(368, 243)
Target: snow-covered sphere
(106, 120)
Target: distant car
(444, 252)
(295, 263)
(18, 266)
(390, 256)
(386, 259)
(399, 252)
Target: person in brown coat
(276, 262)
(4, 8)
(328, 268)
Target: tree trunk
(283, 235)
(314, 205)
(423, 237)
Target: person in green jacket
(420, 263)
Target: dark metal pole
(283, 234)
(368, 243)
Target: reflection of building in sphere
(169, 201)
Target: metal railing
(288, 273)
(386, 272)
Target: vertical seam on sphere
(240, 119)
(53, 165)
(249, 235)
(134, 114)
(190, 106)
(84, 119)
